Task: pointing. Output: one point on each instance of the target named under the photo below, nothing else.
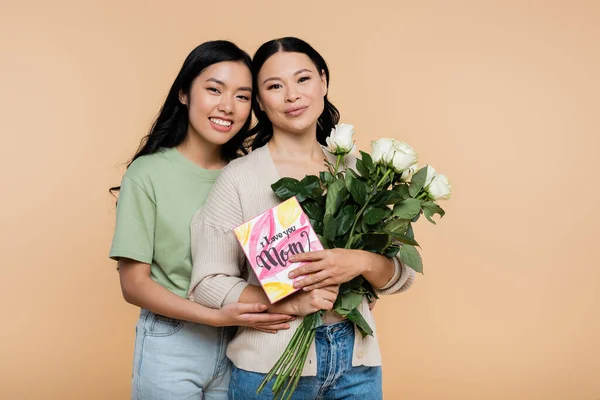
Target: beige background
(502, 96)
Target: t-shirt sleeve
(136, 220)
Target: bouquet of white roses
(370, 208)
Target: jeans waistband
(335, 331)
(144, 313)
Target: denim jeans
(336, 377)
(175, 359)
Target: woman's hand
(336, 266)
(252, 315)
(304, 303)
(328, 267)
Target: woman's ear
(183, 99)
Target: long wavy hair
(171, 124)
(262, 132)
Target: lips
(221, 121)
(295, 111)
(221, 124)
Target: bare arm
(139, 289)
(300, 303)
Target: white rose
(430, 175)
(382, 151)
(404, 156)
(439, 188)
(340, 140)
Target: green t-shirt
(160, 193)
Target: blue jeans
(336, 377)
(175, 359)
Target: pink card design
(270, 239)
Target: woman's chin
(299, 128)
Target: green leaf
(349, 177)
(367, 161)
(397, 226)
(417, 181)
(334, 197)
(286, 188)
(360, 323)
(376, 242)
(317, 226)
(358, 190)
(408, 208)
(362, 170)
(326, 177)
(355, 242)
(347, 302)
(411, 258)
(322, 240)
(302, 195)
(313, 209)
(374, 215)
(330, 227)
(345, 219)
(311, 184)
(405, 239)
(402, 189)
(313, 321)
(430, 209)
(409, 231)
(339, 242)
(387, 197)
(391, 251)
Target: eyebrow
(295, 73)
(215, 80)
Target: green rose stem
(298, 366)
(290, 365)
(384, 177)
(337, 163)
(362, 210)
(422, 195)
(287, 354)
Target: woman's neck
(293, 145)
(203, 153)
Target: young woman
(294, 118)
(179, 352)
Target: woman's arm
(141, 290)
(336, 266)
(300, 303)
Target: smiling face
(219, 101)
(291, 92)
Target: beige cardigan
(220, 272)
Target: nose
(292, 95)
(225, 105)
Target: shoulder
(242, 164)
(244, 168)
(145, 167)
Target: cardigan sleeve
(216, 255)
